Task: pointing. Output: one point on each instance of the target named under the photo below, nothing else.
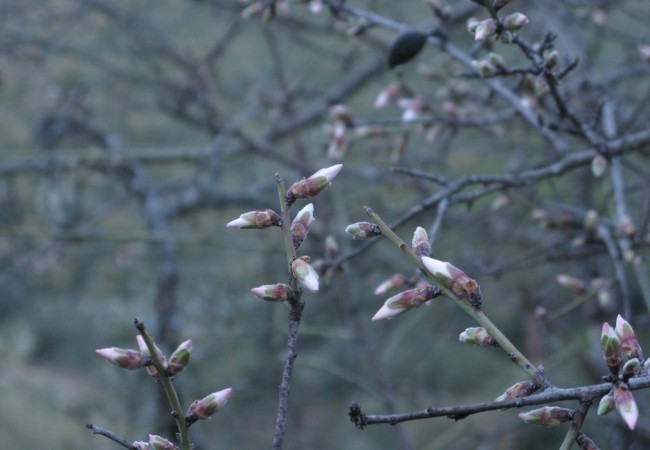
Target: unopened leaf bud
(300, 225)
(331, 247)
(607, 404)
(394, 282)
(631, 368)
(363, 230)
(584, 443)
(278, 292)
(160, 443)
(514, 22)
(180, 359)
(305, 273)
(151, 369)
(207, 406)
(477, 336)
(485, 29)
(551, 58)
(629, 344)
(406, 300)
(547, 416)
(496, 60)
(455, 280)
(124, 358)
(420, 244)
(310, 187)
(256, 219)
(625, 405)
(518, 390)
(575, 285)
(611, 345)
(141, 445)
(598, 165)
(484, 68)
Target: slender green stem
(513, 353)
(569, 439)
(170, 392)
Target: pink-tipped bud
(180, 359)
(598, 165)
(257, 220)
(484, 29)
(575, 285)
(406, 300)
(607, 404)
(278, 292)
(547, 416)
(124, 358)
(388, 95)
(514, 21)
(472, 25)
(420, 244)
(305, 273)
(160, 443)
(394, 282)
(518, 390)
(207, 406)
(151, 369)
(300, 225)
(141, 445)
(455, 280)
(477, 336)
(362, 230)
(310, 187)
(625, 405)
(612, 350)
(629, 344)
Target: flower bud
(278, 292)
(484, 68)
(584, 443)
(363, 230)
(256, 219)
(124, 358)
(160, 443)
(630, 369)
(607, 404)
(207, 406)
(406, 300)
(394, 282)
(551, 58)
(598, 165)
(485, 29)
(629, 344)
(310, 187)
(477, 336)
(331, 247)
(547, 416)
(421, 245)
(388, 95)
(517, 390)
(455, 280)
(472, 25)
(145, 351)
(496, 60)
(514, 22)
(140, 445)
(575, 285)
(180, 358)
(305, 273)
(611, 345)
(625, 405)
(300, 225)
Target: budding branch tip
(367, 210)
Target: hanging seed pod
(405, 47)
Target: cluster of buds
(623, 356)
(300, 268)
(133, 359)
(493, 64)
(455, 280)
(412, 298)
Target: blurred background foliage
(132, 132)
